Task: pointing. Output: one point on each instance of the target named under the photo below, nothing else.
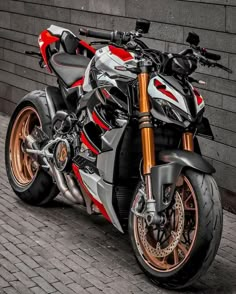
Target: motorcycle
(119, 137)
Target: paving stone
(6, 275)
(63, 289)
(45, 274)
(13, 249)
(20, 288)
(3, 283)
(77, 288)
(24, 279)
(42, 283)
(38, 290)
(94, 290)
(26, 270)
(10, 290)
(8, 265)
(61, 276)
(28, 261)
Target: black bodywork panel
(204, 129)
(166, 174)
(187, 159)
(54, 94)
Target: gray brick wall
(214, 20)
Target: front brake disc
(175, 235)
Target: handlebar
(191, 53)
(113, 36)
(95, 34)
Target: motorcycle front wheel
(176, 254)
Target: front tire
(26, 177)
(177, 263)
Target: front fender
(166, 174)
(187, 159)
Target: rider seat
(70, 68)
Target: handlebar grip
(212, 56)
(95, 34)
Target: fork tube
(188, 141)
(145, 124)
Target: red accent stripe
(88, 144)
(78, 83)
(97, 120)
(121, 53)
(97, 203)
(159, 86)
(87, 46)
(106, 93)
(198, 96)
(45, 39)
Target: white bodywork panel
(87, 85)
(56, 30)
(155, 93)
(106, 62)
(91, 182)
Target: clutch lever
(223, 67)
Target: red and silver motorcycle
(118, 136)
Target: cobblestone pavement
(60, 249)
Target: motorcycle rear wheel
(180, 252)
(28, 180)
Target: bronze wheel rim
(24, 167)
(178, 239)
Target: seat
(69, 68)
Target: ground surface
(60, 249)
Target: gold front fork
(188, 141)
(147, 133)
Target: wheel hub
(163, 250)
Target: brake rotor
(158, 250)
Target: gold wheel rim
(182, 251)
(24, 167)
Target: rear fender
(166, 175)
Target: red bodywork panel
(45, 39)
(88, 144)
(99, 122)
(98, 204)
(198, 95)
(87, 46)
(160, 87)
(121, 53)
(78, 83)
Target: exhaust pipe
(65, 183)
(74, 189)
(61, 184)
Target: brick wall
(214, 20)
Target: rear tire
(35, 187)
(205, 242)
